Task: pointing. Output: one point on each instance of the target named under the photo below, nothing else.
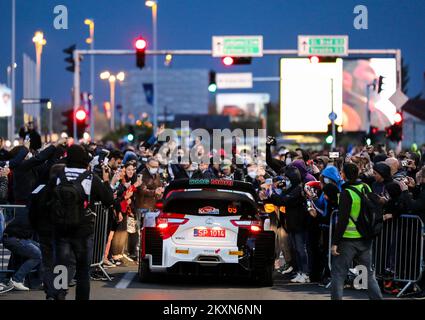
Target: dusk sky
(190, 24)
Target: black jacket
(100, 192)
(26, 174)
(296, 216)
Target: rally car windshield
(210, 203)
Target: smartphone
(404, 163)
(333, 155)
(309, 205)
(269, 181)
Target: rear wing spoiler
(223, 184)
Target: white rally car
(208, 227)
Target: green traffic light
(329, 139)
(130, 137)
(212, 87)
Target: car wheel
(264, 276)
(145, 274)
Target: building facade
(180, 91)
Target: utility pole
(333, 118)
(12, 118)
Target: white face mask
(252, 174)
(153, 170)
(288, 161)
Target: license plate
(209, 233)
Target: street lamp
(90, 41)
(112, 79)
(39, 42)
(154, 5)
(9, 74)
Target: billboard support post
(333, 118)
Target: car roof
(219, 184)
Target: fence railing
(100, 237)
(398, 251)
(8, 213)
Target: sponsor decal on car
(208, 210)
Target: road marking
(126, 280)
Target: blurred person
(151, 189)
(76, 239)
(382, 175)
(347, 242)
(305, 175)
(296, 220)
(4, 154)
(324, 204)
(124, 206)
(29, 132)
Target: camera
(271, 141)
(404, 163)
(333, 155)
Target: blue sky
(190, 24)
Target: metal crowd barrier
(398, 252)
(8, 213)
(100, 237)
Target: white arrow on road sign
(398, 99)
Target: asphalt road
(125, 286)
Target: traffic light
(380, 83)
(131, 133)
(140, 45)
(81, 116)
(329, 137)
(212, 86)
(317, 59)
(395, 131)
(70, 51)
(230, 61)
(371, 137)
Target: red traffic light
(398, 118)
(314, 59)
(140, 44)
(81, 115)
(228, 61)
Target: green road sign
(323, 45)
(237, 46)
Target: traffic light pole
(76, 90)
(333, 120)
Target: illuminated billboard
(243, 106)
(308, 92)
(306, 97)
(5, 101)
(357, 75)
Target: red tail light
(169, 225)
(253, 226)
(159, 205)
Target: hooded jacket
(295, 217)
(322, 205)
(305, 175)
(384, 171)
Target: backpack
(371, 218)
(68, 204)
